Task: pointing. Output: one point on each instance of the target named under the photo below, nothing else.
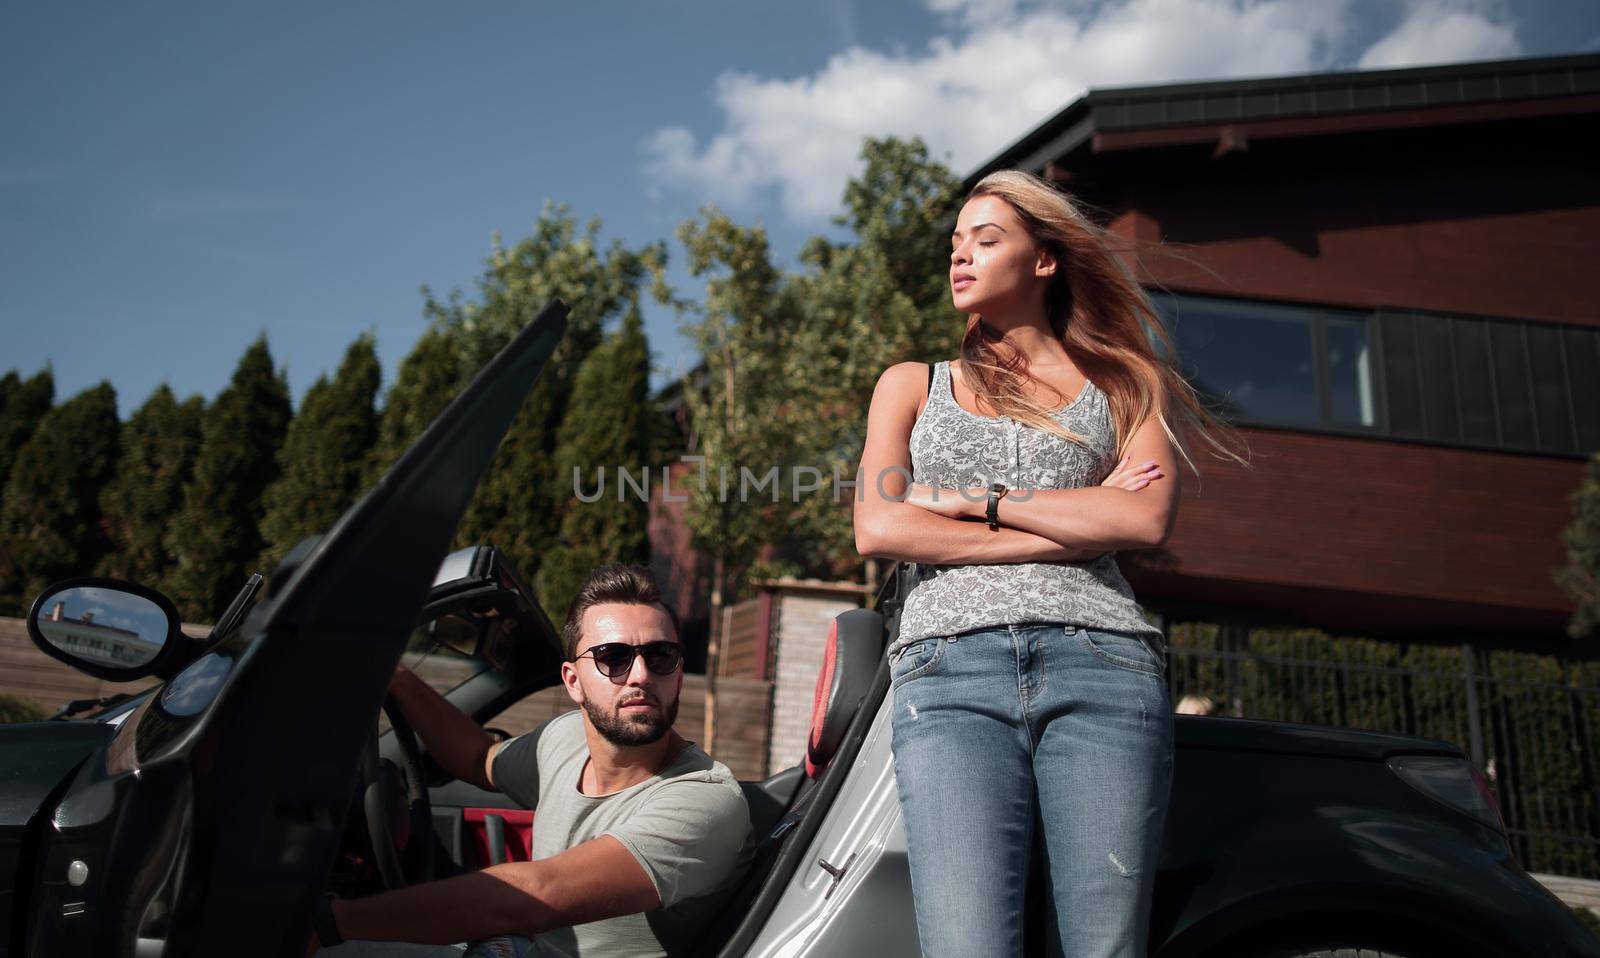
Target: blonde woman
(1026, 679)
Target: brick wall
(801, 624)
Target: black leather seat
(769, 799)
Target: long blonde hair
(1102, 316)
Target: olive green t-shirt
(688, 826)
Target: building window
(1346, 344)
(1275, 364)
(1409, 374)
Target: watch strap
(326, 927)
(997, 491)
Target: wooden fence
(746, 631)
(28, 673)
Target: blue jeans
(987, 722)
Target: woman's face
(995, 265)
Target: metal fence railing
(1530, 722)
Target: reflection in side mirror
(103, 628)
(459, 632)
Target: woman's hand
(971, 503)
(1133, 477)
(950, 503)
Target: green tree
(428, 378)
(607, 427)
(159, 443)
(1580, 577)
(883, 300)
(740, 406)
(20, 708)
(50, 520)
(902, 208)
(216, 536)
(23, 402)
(790, 361)
(520, 503)
(323, 464)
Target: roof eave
(1109, 107)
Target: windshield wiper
(83, 705)
(235, 612)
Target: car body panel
(1252, 735)
(37, 760)
(868, 909)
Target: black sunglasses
(615, 659)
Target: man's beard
(628, 730)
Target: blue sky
(177, 178)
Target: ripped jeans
(984, 722)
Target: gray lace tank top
(954, 448)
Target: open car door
(232, 786)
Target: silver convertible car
(206, 815)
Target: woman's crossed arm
(890, 525)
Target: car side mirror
(476, 604)
(108, 628)
(461, 633)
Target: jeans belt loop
(1071, 630)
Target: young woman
(1027, 682)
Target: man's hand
(454, 740)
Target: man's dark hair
(614, 582)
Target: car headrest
(849, 662)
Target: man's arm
(597, 879)
(455, 742)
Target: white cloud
(1436, 31)
(1007, 65)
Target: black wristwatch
(327, 929)
(997, 491)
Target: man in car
(638, 834)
